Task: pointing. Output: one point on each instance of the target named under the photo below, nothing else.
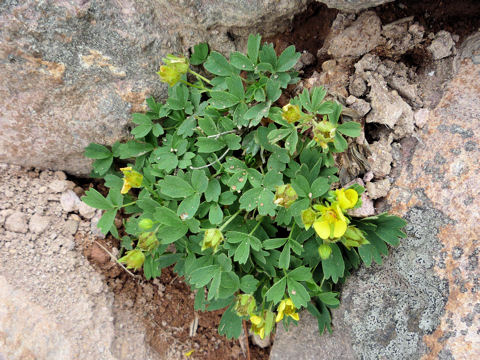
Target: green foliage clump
(240, 194)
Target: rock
(378, 188)
(365, 210)
(69, 201)
(334, 79)
(358, 39)
(368, 62)
(17, 222)
(357, 87)
(86, 211)
(360, 106)
(93, 225)
(58, 186)
(38, 223)
(78, 69)
(404, 88)
(381, 157)
(441, 46)
(306, 59)
(353, 5)
(263, 343)
(421, 117)
(388, 107)
(71, 226)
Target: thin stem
(199, 76)
(256, 226)
(131, 203)
(192, 85)
(213, 162)
(114, 258)
(246, 339)
(229, 220)
(291, 231)
(216, 136)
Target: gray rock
(306, 59)
(381, 157)
(58, 186)
(358, 39)
(353, 5)
(421, 117)
(388, 108)
(17, 222)
(357, 86)
(368, 62)
(404, 88)
(86, 211)
(263, 343)
(38, 223)
(71, 226)
(69, 201)
(360, 106)
(441, 46)
(378, 188)
(78, 69)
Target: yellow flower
(258, 325)
(347, 199)
(131, 179)
(291, 113)
(134, 259)
(287, 308)
(308, 217)
(285, 196)
(332, 223)
(174, 68)
(212, 239)
(189, 353)
(324, 133)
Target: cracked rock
(357, 87)
(442, 45)
(381, 157)
(360, 106)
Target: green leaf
(167, 217)
(301, 273)
(284, 259)
(323, 317)
(230, 324)
(265, 203)
(241, 62)
(318, 94)
(297, 293)
(223, 100)
(340, 143)
(232, 141)
(189, 206)
(213, 190)
(329, 298)
(267, 55)
(351, 128)
(208, 125)
(257, 112)
(215, 215)
(235, 86)
(287, 59)
(175, 187)
(199, 181)
(218, 65)
(167, 161)
(319, 187)
(253, 45)
(274, 243)
(242, 252)
(249, 200)
(133, 149)
(209, 145)
(96, 200)
(106, 221)
(101, 166)
(334, 266)
(200, 53)
(276, 292)
(214, 287)
(273, 90)
(301, 186)
(248, 284)
(187, 127)
(202, 276)
(96, 151)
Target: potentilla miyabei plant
(241, 195)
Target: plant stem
(192, 85)
(246, 339)
(199, 76)
(230, 220)
(213, 162)
(256, 226)
(131, 203)
(216, 136)
(291, 231)
(114, 258)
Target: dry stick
(114, 258)
(213, 162)
(246, 338)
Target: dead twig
(114, 258)
(246, 339)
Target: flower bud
(147, 241)
(354, 237)
(245, 304)
(285, 196)
(145, 224)
(134, 259)
(324, 133)
(347, 199)
(212, 239)
(174, 68)
(308, 217)
(291, 113)
(324, 251)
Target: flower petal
(322, 228)
(339, 228)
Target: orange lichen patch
(135, 98)
(449, 180)
(53, 69)
(96, 58)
